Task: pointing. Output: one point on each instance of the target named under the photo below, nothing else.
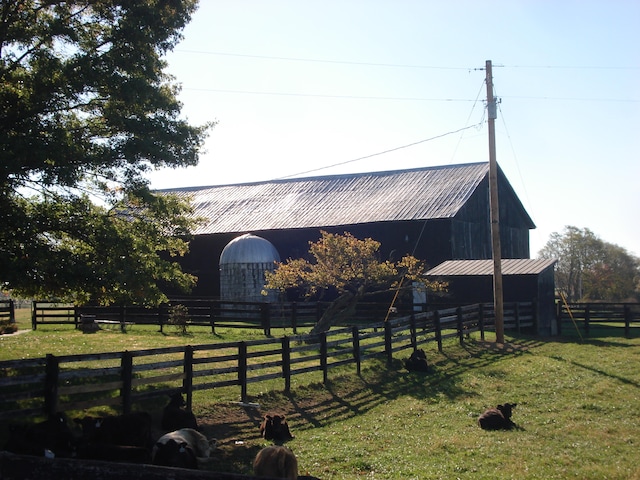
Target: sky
(308, 88)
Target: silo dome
(243, 263)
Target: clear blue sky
(298, 86)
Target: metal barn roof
(416, 194)
(509, 266)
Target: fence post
(212, 317)
(387, 342)
(412, 329)
(265, 319)
(161, 309)
(627, 321)
(438, 328)
(126, 375)
(242, 370)
(587, 317)
(52, 372)
(481, 320)
(459, 325)
(323, 357)
(12, 311)
(516, 313)
(34, 309)
(294, 317)
(123, 318)
(286, 363)
(355, 336)
(187, 381)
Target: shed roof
(509, 266)
(400, 195)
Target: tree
(86, 110)
(589, 268)
(350, 266)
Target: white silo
(243, 263)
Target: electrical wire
(377, 154)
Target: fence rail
(121, 379)
(209, 313)
(7, 312)
(588, 315)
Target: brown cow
(276, 428)
(498, 418)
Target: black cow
(52, 437)
(181, 448)
(133, 429)
(417, 362)
(498, 418)
(276, 428)
(175, 416)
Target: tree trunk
(342, 307)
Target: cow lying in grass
(175, 416)
(51, 438)
(498, 418)
(276, 428)
(417, 362)
(181, 448)
(118, 438)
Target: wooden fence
(209, 313)
(589, 315)
(7, 311)
(122, 379)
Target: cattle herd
(119, 438)
(129, 438)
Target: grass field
(578, 410)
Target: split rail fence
(43, 386)
(586, 316)
(208, 313)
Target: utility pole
(494, 209)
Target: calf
(133, 429)
(417, 362)
(498, 418)
(175, 416)
(52, 437)
(181, 448)
(276, 428)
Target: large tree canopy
(589, 268)
(350, 266)
(86, 110)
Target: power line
(379, 153)
(401, 65)
(319, 95)
(315, 60)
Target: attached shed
(436, 213)
(523, 280)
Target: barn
(435, 213)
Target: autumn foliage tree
(350, 266)
(86, 109)
(589, 268)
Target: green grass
(578, 408)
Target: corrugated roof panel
(509, 266)
(417, 194)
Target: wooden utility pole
(494, 208)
